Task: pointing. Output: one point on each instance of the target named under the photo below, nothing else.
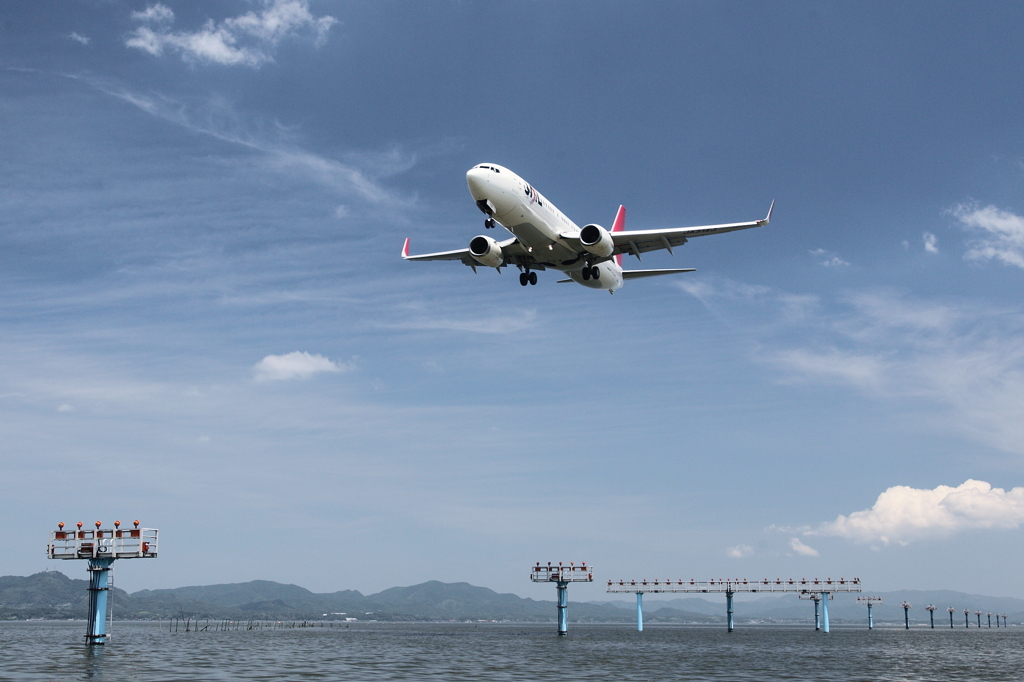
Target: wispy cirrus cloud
(495, 324)
(1002, 234)
(295, 365)
(965, 356)
(245, 40)
(902, 514)
(279, 149)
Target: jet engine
(486, 251)
(597, 241)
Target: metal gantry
(931, 614)
(730, 586)
(870, 601)
(101, 547)
(562, 576)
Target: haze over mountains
(52, 594)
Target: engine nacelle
(486, 251)
(597, 240)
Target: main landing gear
(591, 272)
(527, 278)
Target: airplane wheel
(595, 272)
(586, 273)
(489, 223)
(533, 278)
(523, 279)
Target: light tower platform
(100, 547)
(807, 589)
(562, 575)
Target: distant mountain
(53, 595)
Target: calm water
(378, 651)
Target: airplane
(543, 237)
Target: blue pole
(871, 621)
(639, 611)
(990, 620)
(931, 616)
(728, 610)
(563, 606)
(824, 610)
(817, 619)
(99, 572)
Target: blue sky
(205, 323)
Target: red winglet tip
(620, 220)
(405, 249)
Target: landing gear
(589, 272)
(489, 223)
(527, 278)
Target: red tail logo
(618, 226)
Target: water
(386, 651)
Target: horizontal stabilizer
(637, 274)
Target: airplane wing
(641, 241)
(511, 249)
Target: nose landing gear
(489, 223)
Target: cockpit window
(489, 168)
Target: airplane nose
(487, 188)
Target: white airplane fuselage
(538, 225)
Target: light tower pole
(989, 615)
(951, 612)
(967, 618)
(870, 601)
(906, 614)
(978, 614)
(101, 547)
(931, 614)
(562, 576)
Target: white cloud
(828, 258)
(901, 514)
(157, 13)
(930, 241)
(84, 40)
(740, 551)
(1003, 238)
(65, 408)
(296, 365)
(496, 324)
(802, 549)
(246, 40)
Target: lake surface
(486, 651)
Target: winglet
(405, 249)
(768, 218)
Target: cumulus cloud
(296, 365)
(930, 242)
(740, 551)
(828, 258)
(1002, 234)
(245, 40)
(802, 549)
(902, 514)
(84, 40)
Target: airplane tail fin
(618, 226)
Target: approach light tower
(989, 614)
(978, 614)
(931, 613)
(870, 601)
(101, 547)
(562, 576)
(951, 612)
(906, 614)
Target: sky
(205, 323)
